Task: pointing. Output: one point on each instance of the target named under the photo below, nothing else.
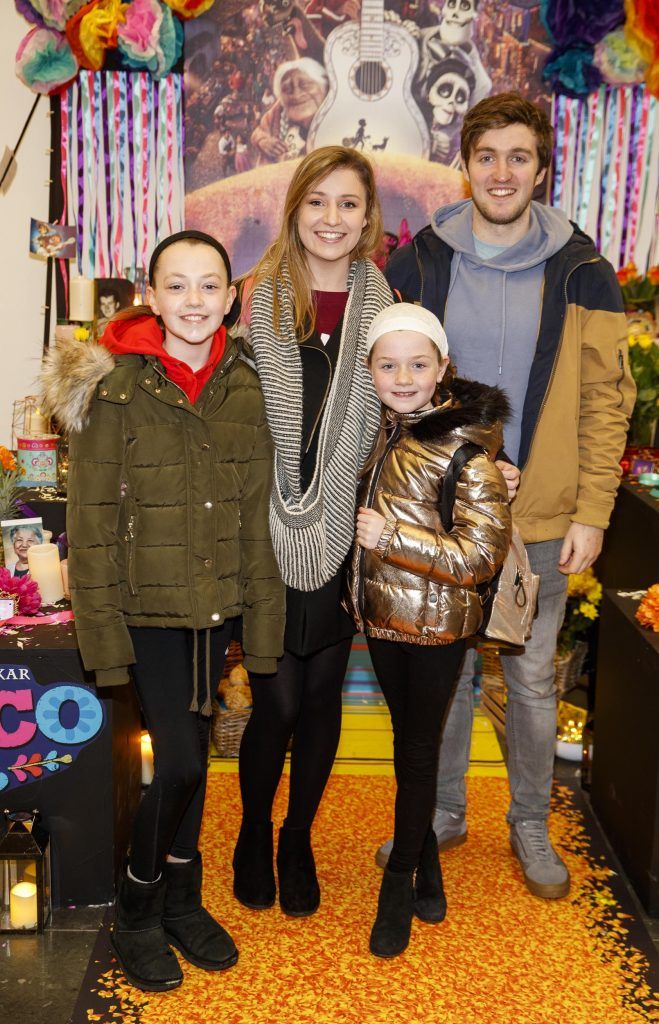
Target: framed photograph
(112, 294)
(47, 240)
(18, 536)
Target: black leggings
(168, 819)
(303, 700)
(417, 682)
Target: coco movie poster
(268, 82)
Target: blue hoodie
(493, 307)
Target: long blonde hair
(287, 248)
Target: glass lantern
(25, 901)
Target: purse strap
(461, 456)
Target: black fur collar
(467, 404)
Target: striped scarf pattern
(312, 531)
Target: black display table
(630, 557)
(625, 774)
(88, 796)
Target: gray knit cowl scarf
(312, 531)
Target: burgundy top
(330, 307)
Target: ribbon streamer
(122, 167)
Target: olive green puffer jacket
(167, 516)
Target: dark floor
(40, 975)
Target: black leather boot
(188, 926)
(253, 873)
(138, 938)
(429, 898)
(299, 892)
(390, 935)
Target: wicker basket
(568, 666)
(228, 726)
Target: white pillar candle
(64, 569)
(35, 422)
(147, 759)
(82, 302)
(44, 567)
(23, 905)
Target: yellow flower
(645, 340)
(594, 593)
(578, 583)
(588, 610)
(632, 340)
(81, 334)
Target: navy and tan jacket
(580, 392)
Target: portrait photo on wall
(56, 240)
(112, 294)
(18, 536)
(270, 81)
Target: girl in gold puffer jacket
(412, 587)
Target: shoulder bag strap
(461, 456)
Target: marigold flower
(627, 273)
(588, 610)
(647, 613)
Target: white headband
(407, 316)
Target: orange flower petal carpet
(501, 956)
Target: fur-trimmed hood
(470, 404)
(71, 372)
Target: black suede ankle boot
(138, 938)
(188, 926)
(390, 935)
(299, 892)
(253, 873)
(429, 898)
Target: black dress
(315, 618)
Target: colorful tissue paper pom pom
(138, 37)
(618, 61)
(572, 72)
(189, 8)
(29, 11)
(53, 12)
(44, 61)
(573, 24)
(153, 39)
(93, 29)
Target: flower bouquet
(584, 593)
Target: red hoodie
(143, 336)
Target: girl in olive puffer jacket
(169, 482)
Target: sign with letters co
(42, 728)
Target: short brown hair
(499, 112)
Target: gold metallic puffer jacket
(419, 584)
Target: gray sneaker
(544, 872)
(450, 829)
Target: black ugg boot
(188, 926)
(299, 892)
(390, 935)
(138, 938)
(429, 898)
(253, 873)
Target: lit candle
(36, 422)
(147, 759)
(44, 566)
(23, 905)
(82, 302)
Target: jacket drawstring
(207, 706)
(503, 323)
(195, 672)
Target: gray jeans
(530, 709)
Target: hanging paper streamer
(606, 170)
(122, 167)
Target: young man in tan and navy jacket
(529, 305)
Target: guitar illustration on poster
(369, 104)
